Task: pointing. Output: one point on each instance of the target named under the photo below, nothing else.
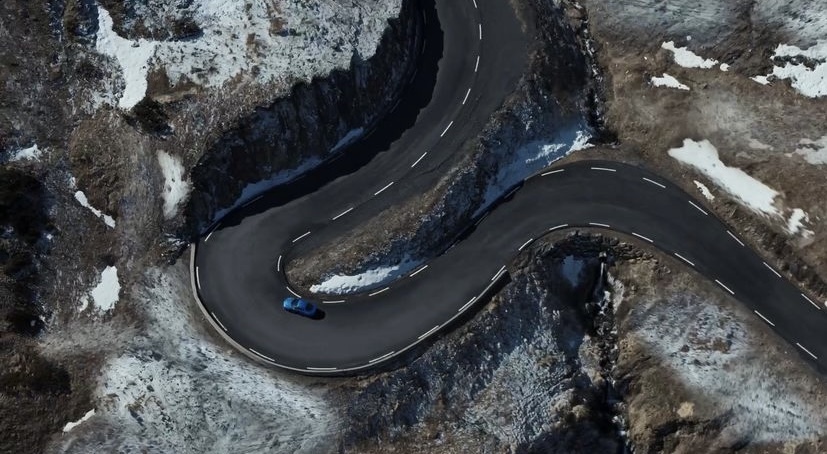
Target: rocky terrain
(127, 126)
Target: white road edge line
(498, 273)
(381, 357)
(807, 351)
(465, 306)
(208, 236)
(342, 213)
(558, 227)
(725, 287)
(525, 244)
(604, 169)
(253, 200)
(218, 321)
(383, 189)
(642, 237)
(477, 65)
(806, 298)
(291, 291)
(772, 269)
(699, 208)
(654, 183)
(263, 356)
(322, 368)
(333, 302)
(379, 291)
(278, 264)
(447, 128)
(735, 237)
(302, 236)
(428, 333)
(417, 161)
(684, 259)
(765, 318)
(480, 27)
(418, 271)
(466, 96)
(551, 172)
(597, 224)
(197, 278)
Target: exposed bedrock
(547, 106)
(308, 123)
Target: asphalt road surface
(473, 54)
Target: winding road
(473, 54)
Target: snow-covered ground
(810, 82)
(709, 350)
(81, 198)
(171, 389)
(26, 154)
(341, 284)
(533, 158)
(176, 186)
(813, 151)
(703, 156)
(263, 41)
(668, 81)
(106, 293)
(71, 425)
(688, 59)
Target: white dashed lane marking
(383, 189)
(322, 369)
(654, 183)
(218, 321)
(604, 169)
(806, 351)
(725, 287)
(380, 358)
(419, 271)
(197, 278)
(525, 244)
(465, 306)
(420, 158)
(684, 259)
(342, 213)
(499, 273)
(698, 208)
(429, 332)
(447, 128)
(263, 356)
(278, 264)
(208, 236)
(466, 96)
(772, 269)
(735, 238)
(552, 172)
(333, 302)
(597, 224)
(379, 291)
(301, 236)
(477, 65)
(765, 318)
(558, 227)
(811, 301)
(291, 291)
(475, 3)
(642, 237)
(480, 27)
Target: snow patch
(810, 82)
(761, 80)
(703, 156)
(176, 186)
(686, 58)
(343, 284)
(724, 67)
(81, 198)
(26, 154)
(132, 56)
(704, 190)
(260, 41)
(813, 151)
(71, 425)
(668, 81)
(795, 223)
(106, 294)
(533, 158)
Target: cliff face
(305, 126)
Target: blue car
(300, 307)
